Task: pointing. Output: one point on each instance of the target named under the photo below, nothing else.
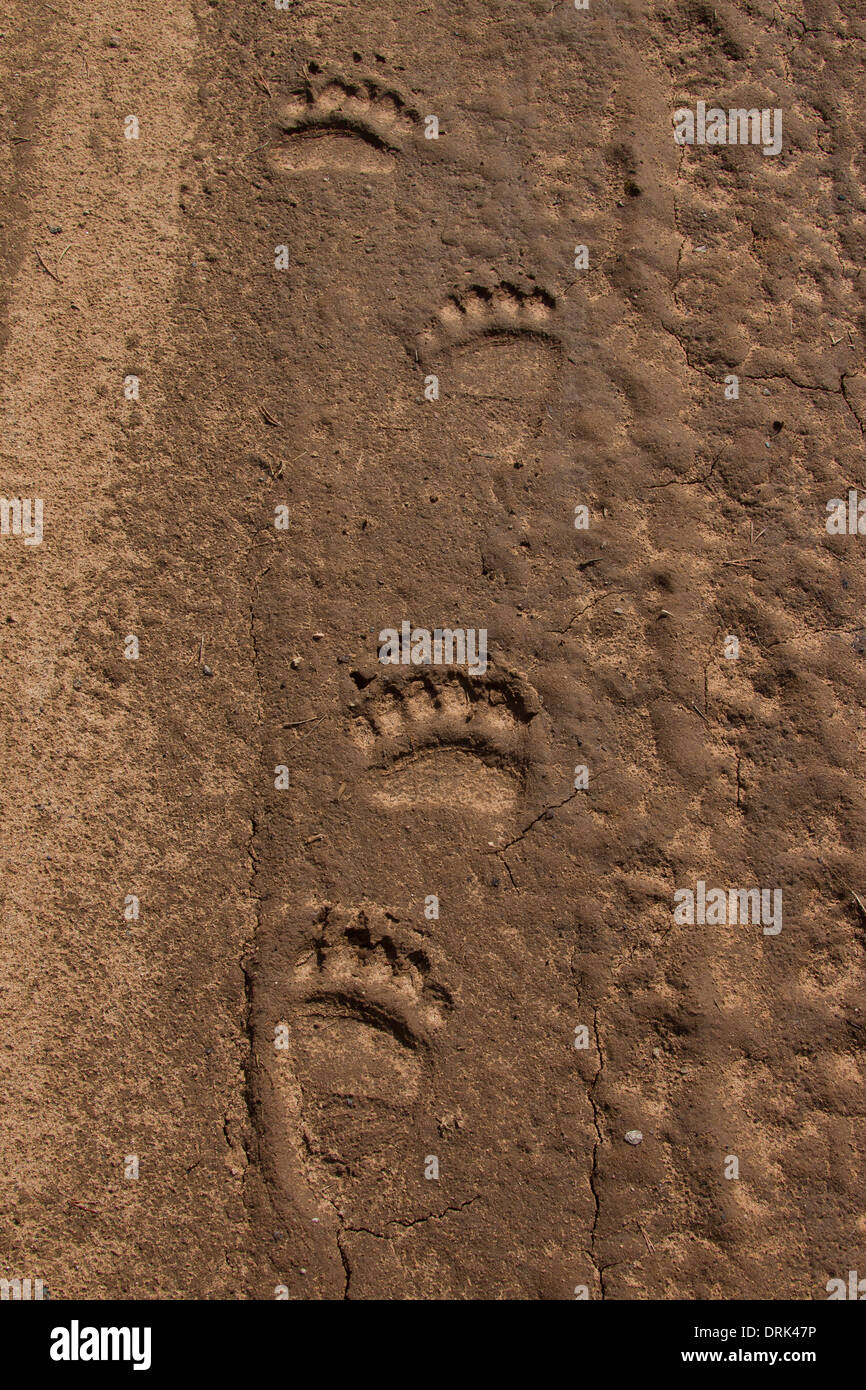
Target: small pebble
(317, 636)
(54, 228)
(295, 663)
(207, 670)
(657, 1052)
(633, 1136)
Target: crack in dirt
(800, 385)
(593, 1173)
(817, 28)
(593, 1176)
(560, 632)
(698, 477)
(546, 814)
(415, 1221)
(347, 1264)
(252, 1139)
(850, 403)
(344, 1230)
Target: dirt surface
(349, 961)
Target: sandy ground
(347, 961)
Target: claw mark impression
(503, 312)
(449, 738)
(355, 127)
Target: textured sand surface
(283, 1036)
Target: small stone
(633, 1136)
(54, 228)
(295, 662)
(207, 670)
(657, 1052)
(318, 636)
